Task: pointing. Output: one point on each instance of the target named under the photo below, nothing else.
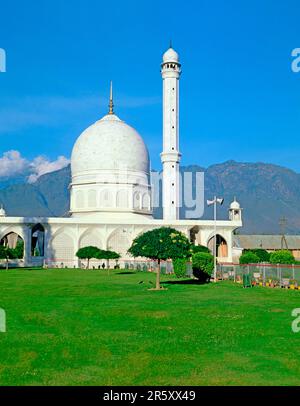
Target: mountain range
(266, 193)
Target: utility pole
(282, 224)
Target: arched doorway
(15, 243)
(37, 241)
(221, 245)
(193, 234)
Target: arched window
(37, 240)
(122, 198)
(15, 242)
(106, 198)
(146, 202)
(221, 245)
(137, 200)
(79, 199)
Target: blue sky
(239, 97)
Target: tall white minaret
(170, 157)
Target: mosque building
(110, 192)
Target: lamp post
(209, 203)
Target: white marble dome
(110, 171)
(107, 145)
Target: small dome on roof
(235, 205)
(2, 211)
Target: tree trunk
(157, 287)
(6, 264)
(88, 263)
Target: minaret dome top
(170, 56)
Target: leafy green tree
(249, 258)
(203, 265)
(263, 255)
(111, 255)
(88, 253)
(6, 253)
(107, 254)
(160, 244)
(179, 265)
(282, 257)
(199, 248)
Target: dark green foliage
(282, 257)
(263, 255)
(199, 248)
(249, 258)
(7, 253)
(179, 265)
(160, 244)
(203, 266)
(88, 253)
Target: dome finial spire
(171, 44)
(111, 103)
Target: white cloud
(41, 165)
(13, 164)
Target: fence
(264, 272)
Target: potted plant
(260, 282)
(293, 283)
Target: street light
(209, 203)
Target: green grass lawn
(75, 327)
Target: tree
(203, 265)
(111, 255)
(249, 258)
(160, 244)
(6, 253)
(263, 255)
(199, 248)
(88, 253)
(282, 257)
(103, 254)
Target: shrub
(249, 258)
(203, 266)
(199, 248)
(282, 257)
(263, 255)
(179, 266)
